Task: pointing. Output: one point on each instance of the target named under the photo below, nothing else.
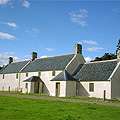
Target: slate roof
(96, 71)
(49, 63)
(14, 67)
(33, 79)
(63, 76)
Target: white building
(63, 75)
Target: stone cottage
(63, 75)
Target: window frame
(53, 73)
(91, 87)
(3, 76)
(26, 74)
(39, 74)
(17, 76)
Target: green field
(35, 109)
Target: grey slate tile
(96, 71)
(49, 63)
(14, 67)
(33, 79)
(64, 76)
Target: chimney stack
(10, 60)
(78, 49)
(33, 55)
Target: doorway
(57, 89)
(36, 87)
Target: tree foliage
(106, 56)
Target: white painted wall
(9, 80)
(67, 88)
(62, 88)
(25, 89)
(46, 76)
(99, 87)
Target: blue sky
(53, 28)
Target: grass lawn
(35, 109)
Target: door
(57, 89)
(26, 86)
(36, 87)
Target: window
(53, 73)
(3, 76)
(91, 87)
(26, 74)
(26, 85)
(39, 73)
(17, 76)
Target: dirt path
(108, 103)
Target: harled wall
(99, 87)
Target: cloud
(44, 56)
(26, 4)
(33, 31)
(4, 2)
(94, 49)
(89, 42)
(78, 17)
(10, 24)
(49, 49)
(6, 36)
(4, 58)
(88, 59)
(26, 56)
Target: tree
(106, 56)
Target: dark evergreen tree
(106, 56)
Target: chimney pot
(10, 60)
(33, 55)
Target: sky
(53, 27)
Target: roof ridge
(101, 61)
(55, 56)
(20, 61)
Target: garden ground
(97, 101)
(21, 107)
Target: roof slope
(33, 79)
(14, 67)
(64, 75)
(49, 63)
(96, 70)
